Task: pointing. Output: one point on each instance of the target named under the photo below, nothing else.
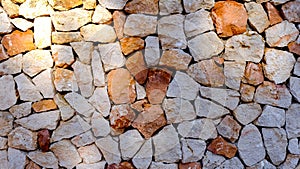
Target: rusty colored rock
(18, 42)
(142, 6)
(44, 140)
(229, 128)
(119, 21)
(150, 120)
(140, 105)
(44, 105)
(230, 18)
(192, 165)
(122, 165)
(247, 92)
(294, 47)
(131, 44)
(157, 84)
(253, 74)
(121, 116)
(221, 147)
(273, 14)
(137, 67)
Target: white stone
(113, 4)
(294, 146)
(27, 90)
(97, 69)
(109, 149)
(143, 157)
(167, 7)
(3, 159)
(5, 26)
(100, 126)
(100, 100)
(197, 23)
(7, 92)
(271, 117)
(134, 27)
(140, 91)
(231, 164)
(23, 139)
(44, 159)
(194, 5)
(64, 80)
(295, 87)
(101, 33)
(42, 32)
(152, 51)
(44, 83)
(209, 109)
(3, 143)
(262, 165)
(157, 165)
(246, 113)
(31, 9)
(84, 77)
(257, 16)
(211, 160)
(292, 121)
(130, 143)
(278, 2)
(90, 154)
(80, 104)
(99, 165)
(205, 46)
(16, 159)
(21, 110)
(101, 15)
(234, 72)
(63, 55)
(291, 161)
(84, 50)
(297, 67)
(66, 112)
(83, 139)
(22, 24)
(66, 37)
(6, 124)
(192, 150)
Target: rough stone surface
(246, 113)
(143, 157)
(231, 164)
(194, 5)
(83, 139)
(84, 50)
(98, 165)
(110, 4)
(262, 164)
(273, 14)
(47, 159)
(6, 26)
(247, 92)
(295, 87)
(6, 120)
(84, 77)
(44, 105)
(290, 162)
(64, 4)
(64, 80)
(98, 33)
(121, 116)
(257, 16)
(292, 125)
(211, 160)
(109, 149)
(62, 55)
(294, 146)
(234, 72)
(167, 7)
(80, 104)
(297, 67)
(119, 21)
(33, 8)
(16, 158)
(229, 128)
(97, 68)
(11, 8)
(20, 110)
(22, 24)
(131, 44)
(100, 126)
(137, 67)
(44, 140)
(42, 32)
(133, 26)
(194, 165)
(271, 117)
(192, 150)
(7, 92)
(66, 37)
(176, 59)
(3, 54)
(100, 94)
(142, 6)
(291, 11)
(152, 51)
(253, 74)
(130, 143)
(222, 147)
(44, 83)
(209, 109)
(23, 139)
(101, 15)
(90, 154)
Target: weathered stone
(133, 26)
(44, 105)
(100, 126)
(140, 105)
(130, 143)
(167, 7)
(275, 142)
(18, 42)
(246, 113)
(209, 109)
(295, 87)
(112, 4)
(3, 54)
(6, 26)
(64, 4)
(20, 110)
(278, 2)
(171, 34)
(90, 154)
(176, 59)
(6, 124)
(157, 84)
(66, 37)
(98, 165)
(36, 61)
(261, 165)
(62, 55)
(247, 92)
(27, 90)
(71, 20)
(250, 145)
(297, 67)
(124, 164)
(140, 91)
(253, 74)
(47, 160)
(281, 34)
(32, 165)
(245, 47)
(22, 24)
(70, 128)
(152, 51)
(44, 84)
(111, 56)
(137, 67)
(143, 157)
(211, 160)
(163, 165)
(23, 139)
(292, 125)
(16, 159)
(194, 5)
(150, 120)
(4, 159)
(257, 16)
(231, 164)
(294, 47)
(11, 8)
(84, 77)
(291, 11)
(271, 117)
(119, 20)
(80, 104)
(42, 32)
(31, 9)
(84, 50)
(66, 153)
(194, 165)
(7, 92)
(64, 80)
(208, 73)
(226, 97)
(294, 146)
(98, 33)
(89, 4)
(142, 6)
(83, 139)
(199, 128)
(97, 69)
(109, 149)
(229, 128)
(100, 94)
(221, 147)
(44, 140)
(273, 14)
(121, 116)
(3, 143)
(291, 161)
(131, 44)
(234, 71)
(192, 150)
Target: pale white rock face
(262, 165)
(97, 69)
(178, 110)
(140, 91)
(5, 26)
(194, 5)
(100, 100)
(257, 16)
(66, 153)
(246, 113)
(100, 126)
(66, 111)
(156, 165)
(297, 67)
(83, 139)
(231, 164)
(134, 27)
(101, 15)
(290, 162)
(7, 92)
(271, 117)
(234, 72)
(63, 55)
(250, 145)
(6, 124)
(70, 128)
(42, 32)
(80, 104)
(292, 121)
(278, 2)
(31, 9)
(276, 143)
(226, 97)
(183, 86)
(245, 47)
(205, 46)
(294, 146)
(167, 146)
(295, 87)
(200, 128)
(64, 80)
(143, 157)
(192, 150)
(113, 4)
(130, 143)
(44, 159)
(152, 51)
(35, 61)
(84, 50)
(22, 24)
(23, 139)
(27, 90)
(3, 52)
(279, 65)
(37, 121)
(281, 34)
(71, 20)
(167, 7)
(3, 144)
(90, 154)
(109, 149)
(209, 109)
(197, 23)
(4, 159)
(44, 83)
(21, 110)
(16, 158)
(84, 77)
(171, 34)
(98, 33)
(111, 56)
(99, 165)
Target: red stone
(294, 47)
(44, 140)
(221, 147)
(273, 14)
(193, 165)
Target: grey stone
(44, 83)
(246, 113)
(143, 157)
(44, 159)
(262, 165)
(152, 51)
(231, 164)
(229, 128)
(292, 121)
(97, 69)
(295, 87)
(209, 109)
(84, 77)
(211, 160)
(130, 143)
(21, 110)
(11, 66)
(194, 5)
(6, 123)
(140, 91)
(3, 143)
(167, 7)
(297, 67)
(63, 55)
(84, 50)
(16, 158)
(291, 161)
(157, 165)
(66, 111)
(90, 154)
(192, 150)
(80, 104)
(109, 149)
(3, 159)
(271, 117)
(234, 72)
(104, 106)
(134, 27)
(100, 126)
(98, 165)
(7, 92)
(83, 139)
(6, 26)
(257, 16)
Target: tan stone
(226, 20)
(137, 67)
(44, 105)
(89, 4)
(247, 92)
(192, 165)
(64, 4)
(23, 139)
(32, 165)
(102, 33)
(253, 74)
(66, 37)
(134, 27)
(6, 123)
(3, 54)
(294, 47)
(31, 9)
(101, 15)
(11, 8)
(119, 21)
(229, 128)
(131, 44)
(176, 59)
(142, 6)
(64, 80)
(22, 24)
(291, 11)
(121, 116)
(62, 55)
(273, 14)
(18, 42)
(221, 147)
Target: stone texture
(33, 8)
(121, 116)
(253, 74)
(176, 59)
(42, 32)
(291, 11)
(119, 20)
(64, 4)
(231, 164)
(84, 50)
(292, 125)
(229, 128)
(171, 35)
(247, 92)
(297, 67)
(100, 126)
(97, 68)
(47, 160)
(143, 157)
(62, 55)
(222, 147)
(194, 165)
(11, 8)
(36, 61)
(192, 150)
(276, 143)
(100, 94)
(66, 153)
(294, 47)
(142, 6)
(3, 143)
(234, 72)
(18, 42)
(183, 86)
(155, 165)
(16, 159)
(211, 160)
(90, 154)
(294, 87)
(257, 16)
(6, 26)
(23, 139)
(66, 37)
(110, 4)
(44, 83)
(200, 128)
(98, 33)
(208, 73)
(83, 139)
(6, 120)
(3, 159)
(98, 165)
(130, 143)
(22, 24)
(140, 91)
(101, 15)
(250, 145)
(272, 94)
(84, 77)
(290, 162)
(279, 65)
(294, 146)
(133, 26)
(194, 5)
(80, 104)
(44, 105)
(246, 113)
(44, 140)
(281, 34)
(131, 44)
(197, 23)
(209, 109)
(20, 110)
(3, 54)
(225, 19)
(273, 14)
(109, 149)
(262, 164)
(271, 117)
(137, 67)
(152, 51)
(7, 92)
(64, 80)
(32, 165)
(167, 7)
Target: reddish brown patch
(137, 67)
(121, 118)
(122, 165)
(142, 6)
(193, 165)
(274, 16)
(131, 44)
(221, 147)
(294, 47)
(253, 74)
(44, 140)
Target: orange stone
(253, 74)
(44, 140)
(273, 14)
(294, 47)
(121, 117)
(193, 165)
(44, 105)
(137, 67)
(230, 18)
(221, 147)
(131, 44)
(142, 6)
(119, 21)
(18, 42)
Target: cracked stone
(229, 128)
(271, 117)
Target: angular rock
(97, 69)
(18, 42)
(291, 161)
(271, 117)
(209, 109)
(22, 24)
(192, 150)
(142, 6)
(20, 110)
(163, 165)
(90, 154)
(44, 140)
(246, 113)
(11, 8)
(3, 54)
(294, 47)
(100, 100)
(44, 105)
(47, 160)
(98, 33)
(101, 15)
(281, 34)
(37, 121)
(111, 4)
(80, 104)
(131, 44)
(83, 139)
(44, 84)
(253, 74)
(273, 14)
(291, 11)
(133, 26)
(121, 116)
(64, 80)
(231, 164)
(130, 143)
(176, 59)
(16, 158)
(295, 87)
(294, 146)
(140, 105)
(119, 20)
(27, 90)
(100, 126)
(250, 145)
(31, 9)
(234, 72)
(42, 32)
(23, 139)
(221, 147)
(84, 50)
(143, 157)
(152, 51)
(211, 160)
(6, 124)
(66, 111)
(84, 77)
(200, 128)
(98, 165)
(63, 5)
(137, 67)
(194, 5)
(62, 55)
(71, 20)
(7, 92)
(167, 7)
(171, 35)
(32, 165)
(109, 149)
(6, 26)
(229, 128)
(3, 143)
(4, 159)
(140, 91)
(292, 125)
(66, 153)
(262, 164)
(66, 37)
(257, 16)
(297, 67)
(247, 92)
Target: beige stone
(137, 67)
(62, 55)
(66, 37)
(6, 124)
(23, 139)
(5, 26)
(89, 4)
(64, 4)
(134, 27)
(176, 59)
(64, 80)
(98, 33)
(194, 5)
(42, 32)
(84, 78)
(44, 83)
(22, 24)
(80, 104)
(11, 8)
(101, 15)
(7, 92)
(113, 4)
(257, 16)
(31, 9)
(119, 20)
